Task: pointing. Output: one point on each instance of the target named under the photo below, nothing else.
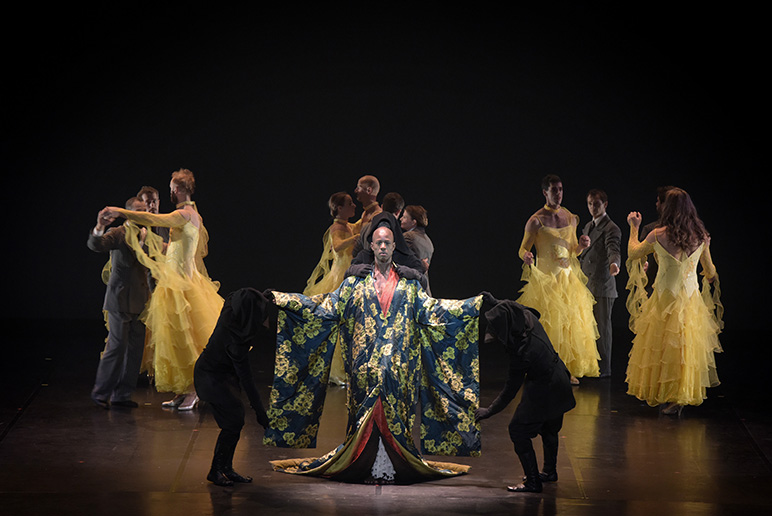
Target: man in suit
(125, 298)
(152, 200)
(601, 263)
(535, 365)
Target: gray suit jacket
(606, 239)
(127, 289)
(420, 243)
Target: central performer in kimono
(402, 349)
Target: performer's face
(383, 245)
(554, 194)
(173, 193)
(139, 205)
(152, 202)
(347, 209)
(407, 222)
(362, 191)
(596, 207)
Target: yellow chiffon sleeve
(151, 254)
(322, 268)
(637, 279)
(166, 220)
(711, 297)
(341, 239)
(529, 239)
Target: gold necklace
(550, 208)
(185, 203)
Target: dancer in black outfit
(534, 365)
(223, 369)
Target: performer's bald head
(367, 188)
(383, 244)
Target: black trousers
(222, 393)
(522, 434)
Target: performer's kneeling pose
(533, 364)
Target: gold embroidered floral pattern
(422, 349)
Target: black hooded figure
(223, 369)
(547, 395)
(403, 255)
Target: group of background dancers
(164, 315)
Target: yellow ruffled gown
(557, 288)
(327, 276)
(184, 307)
(676, 329)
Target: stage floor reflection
(60, 454)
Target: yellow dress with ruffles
(184, 307)
(676, 328)
(327, 276)
(557, 288)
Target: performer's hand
(528, 258)
(634, 219)
(408, 273)
(112, 211)
(584, 243)
(481, 413)
(360, 270)
(488, 301)
(103, 220)
(613, 269)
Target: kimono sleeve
(305, 341)
(450, 383)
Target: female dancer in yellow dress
(184, 307)
(555, 284)
(676, 330)
(338, 244)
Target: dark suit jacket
(420, 243)
(127, 289)
(606, 239)
(533, 364)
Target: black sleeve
(363, 256)
(238, 351)
(511, 386)
(112, 239)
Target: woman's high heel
(673, 409)
(174, 402)
(191, 401)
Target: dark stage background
(460, 111)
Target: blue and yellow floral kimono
(422, 349)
